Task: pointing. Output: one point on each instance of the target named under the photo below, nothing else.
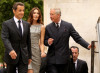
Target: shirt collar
(16, 20)
(58, 23)
(75, 62)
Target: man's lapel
(57, 32)
(78, 65)
(24, 27)
(60, 31)
(54, 30)
(15, 26)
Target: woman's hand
(43, 54)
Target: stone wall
(83, 14)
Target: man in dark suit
(16, 38)
(80, 65)
(57, 36)
(43, 68)
(4, 69)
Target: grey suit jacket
(58, 52)
(13, 41)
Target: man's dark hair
(75, 47)
(16, 4)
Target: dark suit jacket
(81, 67)
(43, 67)
(3, 70)
(58, 52)
(13, 41)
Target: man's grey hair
(57, 10)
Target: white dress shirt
(75, 64)
(58, 23)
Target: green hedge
(6, 13)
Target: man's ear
(13, 11)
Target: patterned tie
(20, 29)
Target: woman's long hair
(30, 18)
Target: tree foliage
(6, 13)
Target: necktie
(20, 29)
(74, 68)
(57, 25)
